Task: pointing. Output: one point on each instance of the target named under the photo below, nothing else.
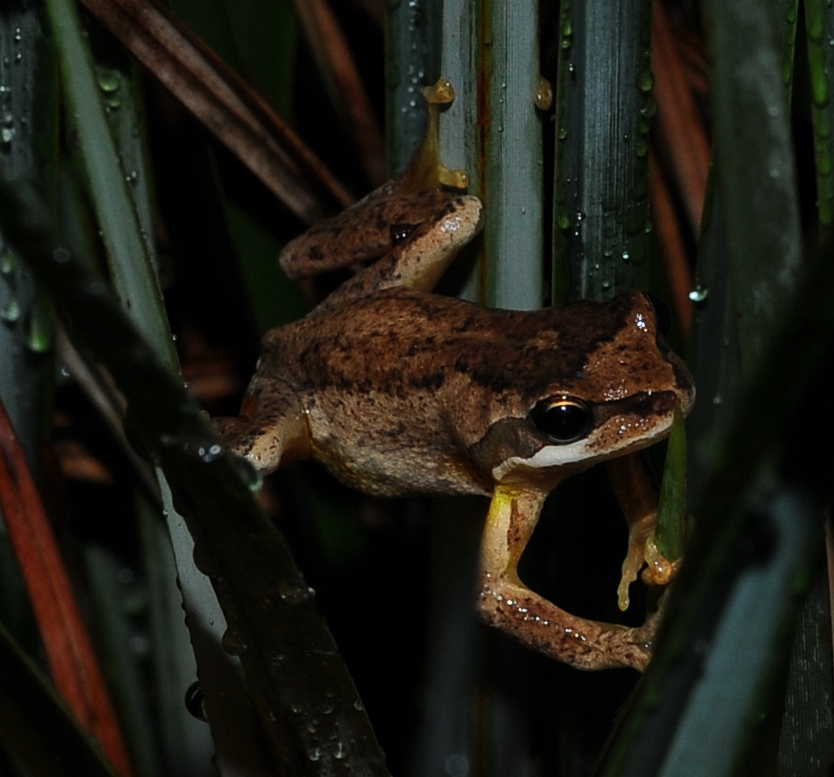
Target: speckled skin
(398, 391)
(404, 392)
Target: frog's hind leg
(505, 602)
(638, 499)
(268, 435)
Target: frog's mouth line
(645, 418)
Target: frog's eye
(564, 419)
(401, 232)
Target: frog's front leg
(272, 429)
(505, 602)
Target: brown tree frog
(399, 391)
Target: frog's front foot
(266, 446)
(542, 626)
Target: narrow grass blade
(408, 65)
(343, 83)
(225, 104)
(116, 636)
(130, 263)
(512, 178)
(28, 132)
(671, 509)
(819, 25)
(603, 113)
(37, 727)
(72, 660)
(755, 169)
(678, 119)
(187, 745)
(459, 142)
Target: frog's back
(402, 340)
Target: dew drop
(7, 261)
(456, 766)
(108, 81)
(10, 312)
(194, 701)
(39, 326)
(544, 94)
(209, 454)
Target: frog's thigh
(273, 434)
(505, 602)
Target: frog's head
(606, 384)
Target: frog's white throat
(581, 454)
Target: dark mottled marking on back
(498, 350)
(432, 381)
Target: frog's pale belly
(394, 470)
